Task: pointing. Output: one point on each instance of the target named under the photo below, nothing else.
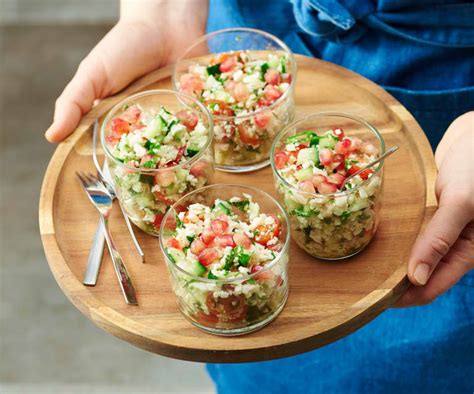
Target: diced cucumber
(181, 174)
(273, 61)
(175, 255)
(327, 141)
(196, 268)
(291, 204)
(304, 174)
(223, 207)
(308, 155)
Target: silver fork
(95, 255)
(101, 198)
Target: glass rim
(319, 115)
(205, 37)
(240, 278)
(157, 92)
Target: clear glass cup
(337, 225)
(235, 146)
(135, 187)
(230, 306)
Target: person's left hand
(444, 252)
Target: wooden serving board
(327, 301)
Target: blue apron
(422, 52)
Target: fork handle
(95, 256)
(123, 277)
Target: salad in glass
(226, 248)
(159, 147)
(247, 84)
(311, 159)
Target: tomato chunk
(208, 236)
(120, 126)
(263, 118)
(273, 77)
(241, 92)
(188, 119)
(224, 241)
(325, 156)
(219, 226)
(241, 239)
(208, 256)
(197, 246)
(272, 93)
(281, 159)
(327, 187)
(173, 243)
(132, 114)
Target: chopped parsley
(192, 151)
(214, 70)
(150, 164)
(344, 216)
(242, 205)
(210, 275)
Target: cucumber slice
(175, 255)
(308, 155)
(304, 174)
(327, 141)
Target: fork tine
(81, 178)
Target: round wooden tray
(327, 300)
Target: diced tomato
(228, 64)
(208, 256)
(276, 247)
(344, 147)
(208, 320)
(356, 143)
(337, 160)
(368, 148)
(261, 276)
(325, 156)
(318, 179)
(306, 186)
(113, 138)
(187, 118)
(197, 246)
(272, 93)
(241, 92)
(223, 217)
(137, 126)
(120, 126)
(241, 239)
(339, 133)
(273, 76)
(263, 102)
(173, 243)
(219, 226)
(246, 137)
(364, 174)
(158, 220)
(165, 178)
(231, 309)
(208, 236)
(265, 233)
(190, 84)
(336, 179)
(218, 107)
(262, 118)
(327, 187)
(132, 114)
(281, 159)
(199, 168)
(224, 241)
(163, 198)
(287, 78)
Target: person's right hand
(145, 38)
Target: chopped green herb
(190, 238)
(304, 136)
(150, 164)
(214, 70)
(302, 212)
(151, 146)
(192, 152)
(344, 216)
(170, 125)
(229, 260)
(251, 281)
(263, 69)
(210, 275)
(283, 65)
(224, 208)
(170, 257)
(179, 223)
(242, 205)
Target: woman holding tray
(422, 53)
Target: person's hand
(147, 36)
(444, 252)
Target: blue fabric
(422, 52)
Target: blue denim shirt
(422, 52)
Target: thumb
(441, 233)
(76, 99)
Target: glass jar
(145, 193)
(242, 136)
(241, 303)
(334, 225)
